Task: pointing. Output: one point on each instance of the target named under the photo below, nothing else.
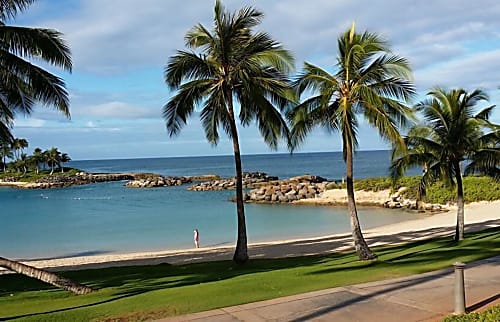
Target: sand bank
(477, 216)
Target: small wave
(91, 198)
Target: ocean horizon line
(222, 155)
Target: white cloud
(29, 123)
(115, 110)
(449, 43)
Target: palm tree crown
(233, 65)
(22, 83)
(453, 131)
(369, 81)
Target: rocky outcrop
(250, 180)
(289, 190)
(397, 200)
(80, 178)
(157, 181)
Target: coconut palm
(22, 83)
(53, 158)
(369, 81)
(452, 132)
(37, 158)
(44, 276)
(64, 158)
(5, 152)
(18, 145)
(234, 65)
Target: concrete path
(424, 297)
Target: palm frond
(9, 9)
(182, 105)
(38, 43)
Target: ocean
(110, 218)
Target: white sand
(477, 216)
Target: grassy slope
(157, 291)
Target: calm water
(109, 217)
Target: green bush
(490, 315)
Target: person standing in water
(197, 238)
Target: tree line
(234, 73)
(39, 160)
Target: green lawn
(146, 292)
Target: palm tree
(53, 158)
(22, 163)
(369, 81)
(44, 276)
(452, 133)
(5, 152)
(37, 158)
(24, 84)
(64, 158)
(235, 65)
(18, 145)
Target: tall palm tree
(18, 145)
(234, 65)
(5, 152)
(63, 159)
(53, 158)
(37, 158)
(368, 81)
(22, 83)
(451, 133)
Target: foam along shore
(478, 216)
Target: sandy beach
(477, 216)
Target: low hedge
(492, 314)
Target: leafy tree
(368, 81)
(451, 133)
(234, 65)
(22, 83)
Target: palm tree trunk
(459, 230)
(241, 252)
(45, 276)
(362, 249)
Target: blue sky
(120, 48)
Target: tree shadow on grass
(130, 281)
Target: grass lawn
(146, 292)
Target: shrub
(490, 315)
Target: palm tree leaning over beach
(451, 133)
(369, 81)
(234, 65)
(22, 83)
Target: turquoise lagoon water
(110, 218)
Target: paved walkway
(424, 297)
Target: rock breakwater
(250, 180)
(157, 181)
